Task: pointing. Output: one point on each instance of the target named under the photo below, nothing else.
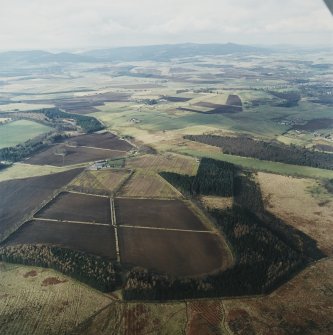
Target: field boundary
(69, 221)
(170, 229)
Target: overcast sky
(87, 24)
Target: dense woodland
(88, 124)
(270, 151)
(96, 271)
(213, 178)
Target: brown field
(156, 213)
(302, 306)
(93, 239)
(176, 99)
(99, 182)
(167, 162)
(174, 252)
(315, 124)
(147, 185)
(20, 197)
(77, 207)
(29, 307)
(103, 141)
(291, 199)
(61, 155)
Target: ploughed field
(19, 197)
(167, 237)
(82, 149)
(167, 214)
(161, 235)
(103, 141)
(94, 239)
(62, 155)
(176, 253)
(77, 207)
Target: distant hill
(151, 52)
(39, 56)
(168, 51)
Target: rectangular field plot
(147, 185)
(105, 141)
(156, 213)
(93, 239)
(174, 252)
(62, 155)
(19, 197)
(99, 182)
(77, 207)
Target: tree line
(98, 272)
(26, 149)
(88, 124)
(267, 150)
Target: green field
(20, 131)
(267, 166)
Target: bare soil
(156, 213)
(173, 252)
(77, 207)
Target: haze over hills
(135, 53)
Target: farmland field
(42, 301)
(97, 240)
(167, 162)
(256, 164)
(103, 141)
(174, 252)
(62, 155)
(20, 197)
(302, 203)
(156, 213)
(77, 207)
(99, 182)
(21, 170)
(149, 185)
(16, 132)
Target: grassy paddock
(20, 131)
(256, 164)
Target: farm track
(94, 195)
(170, 229)
(114, 224)
(67, 221)
(88, 147)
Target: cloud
(63, 24)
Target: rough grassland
(137, 319)
(41, 301)
(302, 306)
(99, 182)
(150, 185)
(20, 131)
(294, 200)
